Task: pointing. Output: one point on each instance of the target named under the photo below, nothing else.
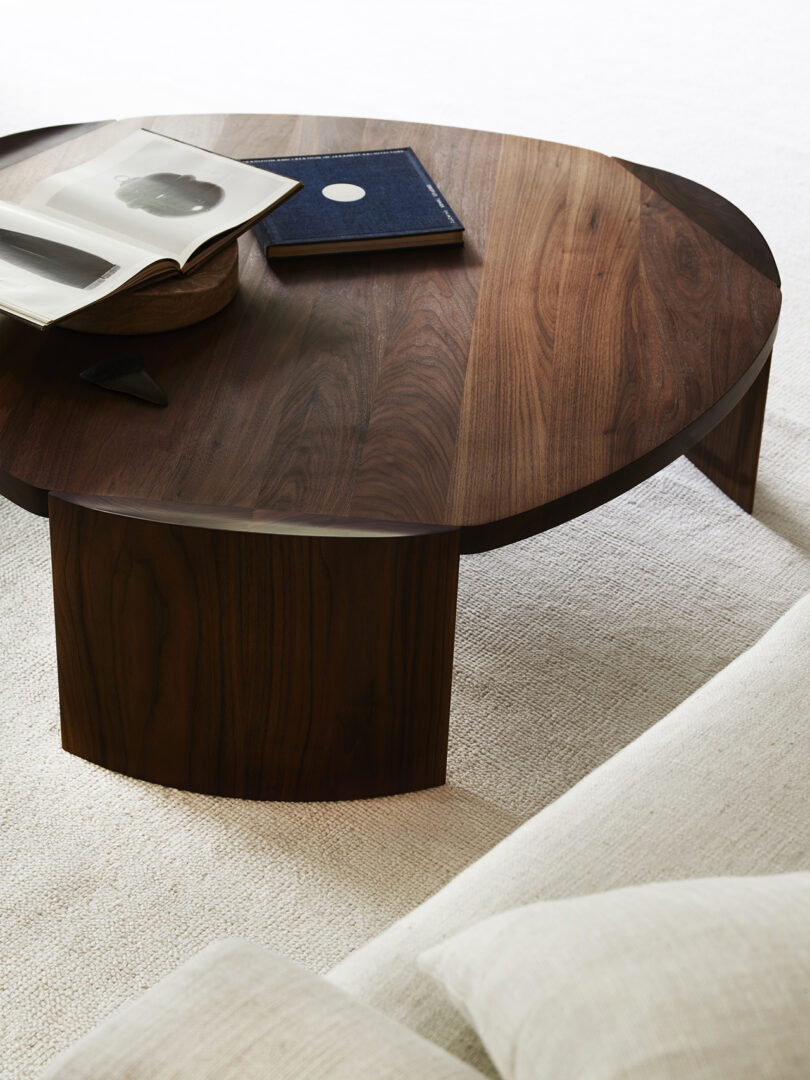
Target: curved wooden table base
(251, 664)
(729, 454)
(255, 587)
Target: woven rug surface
(568, 646)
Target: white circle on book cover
(344, 192)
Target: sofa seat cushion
(237, 1011)
(699, 980)
(719, 787)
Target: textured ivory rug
(568, 646)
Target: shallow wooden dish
(165, 305)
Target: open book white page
(160, 194)
(50, 268)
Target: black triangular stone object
(127, 375)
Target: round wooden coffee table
(255, 587)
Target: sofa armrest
(718, 788)
(237, 1011)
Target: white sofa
(717, 789)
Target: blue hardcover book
(363, 201)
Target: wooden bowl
(165, 305)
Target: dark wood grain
(237, 519)
(607, 342)
(722, 219)
(584, 329)
(254, 665)
(729, 454)
(721, 466)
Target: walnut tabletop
(601, 319)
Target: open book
(147, 208)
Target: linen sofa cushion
(718, 787)
(700, 980)
(237, 1011)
